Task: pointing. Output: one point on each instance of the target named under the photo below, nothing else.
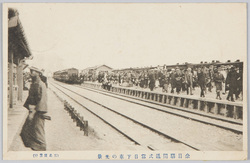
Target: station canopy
(17, 42)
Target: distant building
(91, 73)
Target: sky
(127, 35)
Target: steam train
(70, 76)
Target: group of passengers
(180, 80)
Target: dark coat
(37, 95)
(172, 80)
(44, 79)
(232, 81)
(151, 81)
(33, 134)
(201, 79)
(178, 79)
(189, 79)
(239, 80)
(218, 79)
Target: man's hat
(35, 69)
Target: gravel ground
(143, 136)
(62, 133)
(204, 137)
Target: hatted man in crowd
(178, 80)
(239, 82)
(201, 74)
(165, 81)
(151, 80)
(232, 83)
(172, 80)
(189, 81)
(33, 133)
(210, 74)
(218, 80)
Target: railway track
(214, 133)
(227, 124)
(130, 130)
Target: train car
(70, 76)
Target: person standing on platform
(218, 80)
(151, 80)
(172, 80)
(202, 80)
(157, 80)
(141, 80)
(224, 73)
(33, 133)
(184, 84)
(189, 81)
(165, 81)
(232, 83)
(210, 78)
(178, 80)
(239, 82)
(161, 78)
(146, 79)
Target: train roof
(65, 70)
(185, 65)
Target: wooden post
(11, 79)
(78, 123)
(178, 101)
(82, 123)
(206, 108)
(190, 104)
(153, 96)
(199, 105)
(168, 99)
(216, 108)
(172, 100)
(226, 111)
(235, 112)
(185, 103)
(164, 97)
(86, 128)
(20, 80)
(158, 98)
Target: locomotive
(70, 76)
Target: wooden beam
(11, 78)
(20, 79)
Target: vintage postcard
(124, 81)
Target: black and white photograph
(124, 81)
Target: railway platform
(62, 133)
(192, 103)
(16, 118)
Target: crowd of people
(222, 78)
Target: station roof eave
(17, 42)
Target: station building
(94, 71)
(18, 52)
